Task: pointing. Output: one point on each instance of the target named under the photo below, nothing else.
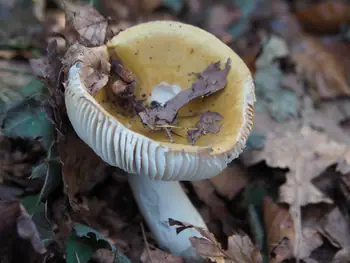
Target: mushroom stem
(160, 200)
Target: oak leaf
(325, 16)
(88, 22)
(240, 248)
(280, 231)
(320, 68)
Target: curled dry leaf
(88, 22)
(155, 255)
(208, 123)
(95, 66)
(16, 229)
(48, 67)
(280, 231)
(321, 68)
(325, 16)
(240, 248)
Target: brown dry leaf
(336, 229)
(49, 66)
(321, 68)
(155, 255)
(211, 80)
(208, 123)
(206, 193)
(88, 22)
(306, 154)
(240, 248)
(230, 181)
(150, 5)
(325, 16)
(280, 230)
(220, 17)
(103, 255)
(18, 155)
(78, 160)
(17, 230)
(95, 65)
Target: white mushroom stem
(160, 200)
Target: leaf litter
(300, 128)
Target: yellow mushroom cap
(156, 52)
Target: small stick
(146, 242)
(175, 127)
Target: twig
(175, 127)
(146, 242)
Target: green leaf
(85, 237)
(79, 250)
(22, 114)
(43, 225)
(175, 5)
(30, 202)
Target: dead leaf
(18, 155)
(336, 229)
(88, 22)
(211, 80)
(280, 230)
(240, 248)
(306, 154)
(156, 255)
(18, 230)
(103, 255)
(78, 160)
(320, 68)
(207, 124)
(206, 193)
(48, 67)
(220, 17)
(230, 181)
(95, 65)
(324, 17)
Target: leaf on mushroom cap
(207, 124)
(95, 65)
(211, 80)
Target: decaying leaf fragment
(16, 230)
(88, 22)
(207, 124)
(95, 66)
(48, 67)
(211, 80)
(155, 255)
(240, 248)
(280, 231)
(18, 155)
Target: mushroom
(165, 52)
